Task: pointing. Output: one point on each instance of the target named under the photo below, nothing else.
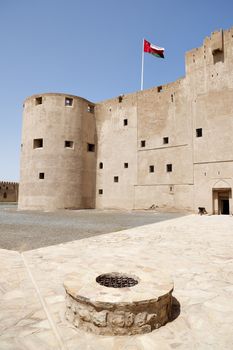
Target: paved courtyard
(24, 230)
(195, 250)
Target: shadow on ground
(26, 230)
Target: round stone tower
(58, 153)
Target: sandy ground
(25, 230)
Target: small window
(4, 195)
(41, 176)
(90, 108)
(101, 165)
(169, 168)
(38, 101)
(6, 187)
(159, 88)
(126, 165)
(151, 169)
(165, 140)
(172, 98)
(68, 101)
(69, 144)
(171, 188)
(90, 147)
(199, 132)
(38, 143)
(120, 98)
(125, 122)
(116, 179)
(101, 191)
(143, 143)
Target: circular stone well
(119, 303)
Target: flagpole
(142, 72)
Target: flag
(154, 50)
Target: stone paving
(197, 251)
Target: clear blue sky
(92, 48)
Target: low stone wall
(119, 310)
(137, 318)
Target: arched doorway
(222, 198)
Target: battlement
(6, 183)
(217, 48)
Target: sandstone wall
(168, 147)
(59, 171)
(8, 191)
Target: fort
(8, 191)
(168, 147)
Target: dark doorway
(222, 198)
(225, 207)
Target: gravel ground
(25, 230)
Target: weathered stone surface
(140, 319)
(129, 319)
(151, 318)
(100, 318)
(126, 314)
(84, 315)
(118, 319)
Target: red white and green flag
(153, 49)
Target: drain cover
(116, 280)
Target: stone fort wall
(8, 191)
(168, 147)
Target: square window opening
(125, 122)
(90, 108)
(199, 132)
(159, 88)
(90, 147)
(143, 143)
(169, 168)
(41, 176)
(69, 144)
(101, 191)
(116, 178)
(126, 165)
(38, 143)
(68, 101)
(38, 100)
(151, 169)
(165, 140)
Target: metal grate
(116, 280)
